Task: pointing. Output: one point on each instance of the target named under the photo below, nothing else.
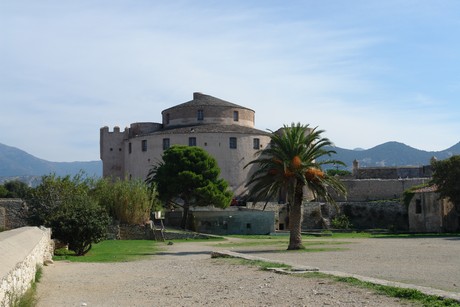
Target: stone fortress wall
(225, 130)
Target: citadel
(224, 129)
(227, 132)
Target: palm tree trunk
(295, 220)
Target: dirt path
(185, 275)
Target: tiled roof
(202, 100)
(210, 128)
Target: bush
(341, 222)
(52, 193)
(80, 223)
(16, 189)
(63, 203)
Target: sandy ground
(185, 275)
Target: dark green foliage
(51, 194)
(63, 203)
(192, 175)
(341, 222)
(446, 175)
(14, 189)
(3, 191)
(80, 223)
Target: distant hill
(19, 164)
(392, 154)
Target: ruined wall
(22, 250)
(12, 213)
(428, 213)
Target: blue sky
(367, 72)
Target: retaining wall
(12, 213)
(22, 250)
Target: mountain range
(16, 163)
(392, 154)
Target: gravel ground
(185, 275)
(429, 262)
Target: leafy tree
(52, 193)
(289, 165)
(192, 175)
(3, 191)
(128, 201)
(14, 189)
(79, 223)
(446, 176)
(63, 203)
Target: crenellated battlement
(116, 129)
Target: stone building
(224, 129)
(429, 213)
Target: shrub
(341, 222)
(80, 223)
(63, 203)
(52, 193)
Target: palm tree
(290, 165)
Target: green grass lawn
(113, 251)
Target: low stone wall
(391, 215)
(146, 232)
(22, 250)
(12, 213)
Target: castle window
(256, 143)
(418, 206)
(235, 116)
(167, 119)
(165, 144)
(130, 147)
(192, 141)
(200, 115)
(144, 145)
(233, 142)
